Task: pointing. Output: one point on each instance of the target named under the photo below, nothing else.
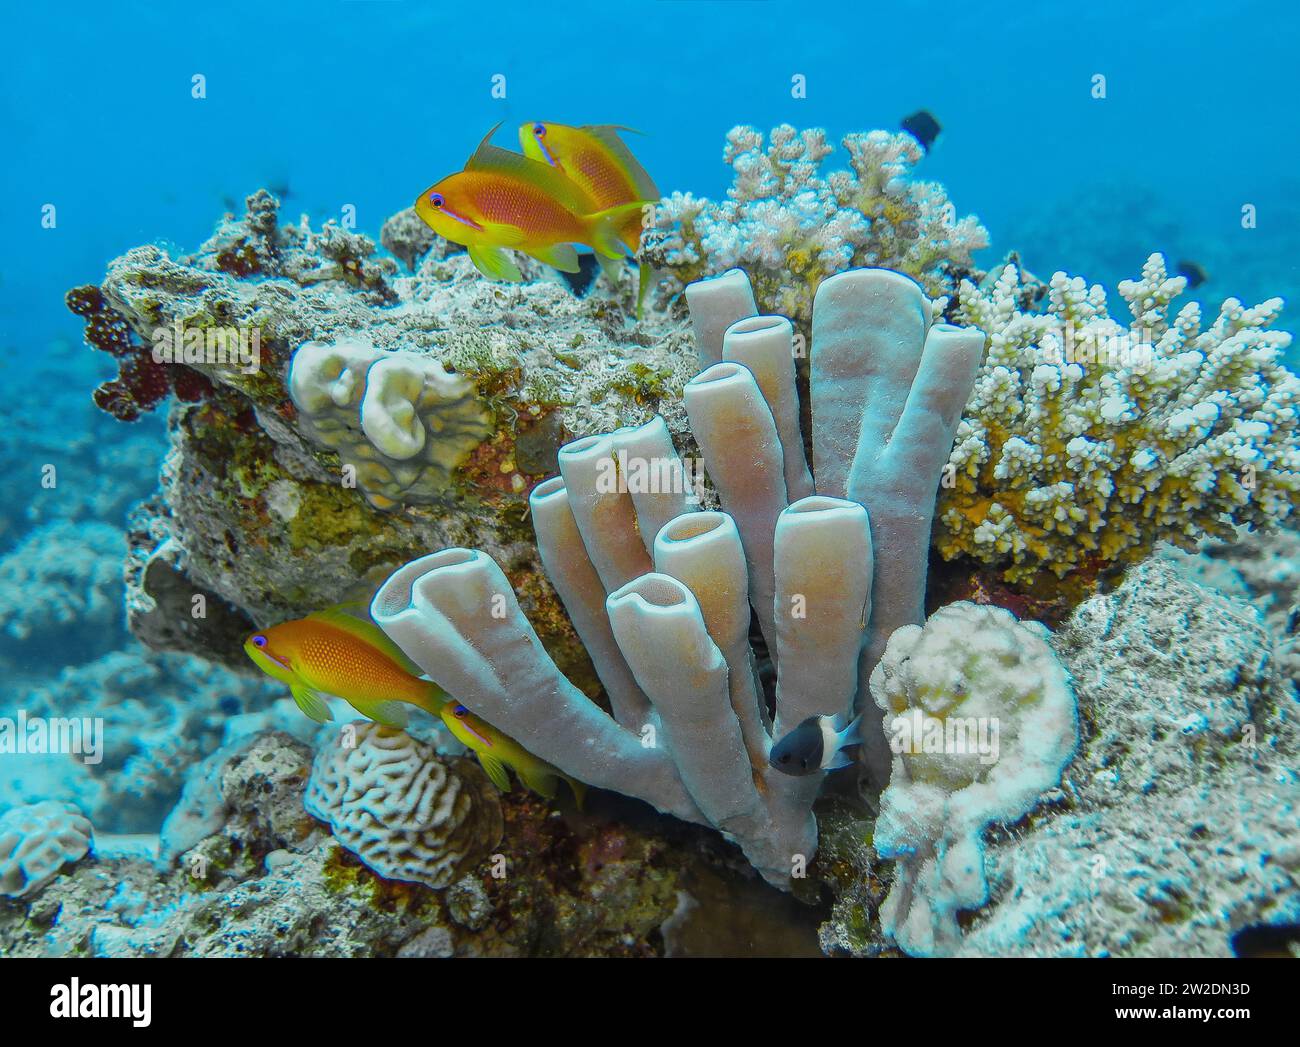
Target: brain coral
(35, 843)
(403, 810)
(1086, 441)
(789, 226)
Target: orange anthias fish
(598, 162)
(504, 200)
(333, 652)
(496, 752)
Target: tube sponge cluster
(661, 592)
(406, 812)
(789, 225)
(1086, 441)
(399, 419)
(982, 720)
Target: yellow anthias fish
(598, 162)
(496, 752)
(504, 200)
(333, 652)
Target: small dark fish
(815, 745)
(1194, 272)
(922, 126)
(1275, 940)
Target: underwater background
(353, 107)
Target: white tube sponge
(397, 418)
(455, 615)
(656, 478)
(903, 447)
(603, 509)
(564, 556)
(660, 629)
(868, 329)
(981, 720)
(823, 568)
(765, 344)
(738, 438)
(703, 551)
(715, 304)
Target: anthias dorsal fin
(494, 159)
(484, 144)
(607, 134)
(367, 632)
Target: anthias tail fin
(559, 256)
(606, 228)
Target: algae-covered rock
(267, 512)
(1175, 825)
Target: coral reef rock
(269, 497)
(1176, 823)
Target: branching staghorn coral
(1086, 441)
(661, 593)
(789, 226)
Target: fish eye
(783, 758)
(460, 710)
(259, 641)
(539, 130)
(435, 199)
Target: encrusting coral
(982, 721)
(397, 418)
(1085, 441)
(789, 225)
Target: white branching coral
(1086, 441)
(789, 226)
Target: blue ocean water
(365, 102)
(357, 105)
